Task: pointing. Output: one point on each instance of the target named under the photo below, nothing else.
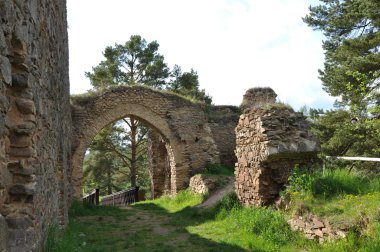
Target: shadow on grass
(180, 220)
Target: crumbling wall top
(258, 97)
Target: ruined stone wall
(223, 121)
(270, 142)
(182, 124)
(258, 97)
(34, 120)
(159, 165)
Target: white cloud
(233, 44)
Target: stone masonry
(223, 121)
(258, 97)
(35, 122)
(271, 139)
(159, 164)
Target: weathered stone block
(26, 106)
(28, 189)
(2, 125)
(26, 152)
(24, 129)
(5, 69)
(4, 104)
(21, 80)
(18, 221)
(19, 239)
(3, 234)
(20, 141)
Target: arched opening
(128, 153)
(155, 154)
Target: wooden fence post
(137, 193)
(97, 196)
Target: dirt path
(145, 227)
(218, 195)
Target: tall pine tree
(351, 73)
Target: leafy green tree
(111, 158)
(134, 63)
(351, 72)
(352, 57)
(187, 84)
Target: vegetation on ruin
(278, 105)
(83, 99)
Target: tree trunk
(133, 133)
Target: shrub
(301, 180)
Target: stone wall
(223, 121)
(159, 165)
(270, 142)
(34, 120)
(3, 234)
(271, 139)
(206, 184)
(181, 123)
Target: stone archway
(182, 124)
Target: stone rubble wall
(35, 120)
(316, 229)
(223, 121)
(270, 142)
(205, 184)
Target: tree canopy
(135, 62)
(352, 57)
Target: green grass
(337, 195)
(171, 204)
(218, 169)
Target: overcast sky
(232, 44)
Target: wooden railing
(92, 197)
(122, 198)
(356, 158)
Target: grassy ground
(172, 224)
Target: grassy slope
(171, 224)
